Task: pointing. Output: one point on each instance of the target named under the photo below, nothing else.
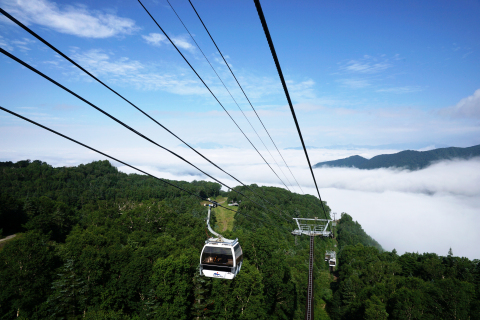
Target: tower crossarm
(312, 227)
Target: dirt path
(8, 238)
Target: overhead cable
(235, 101)
(119, 122)
(241, 88)
(115, 92)
(280, 74)
(122, 162)
(210, 91)
(232, 99)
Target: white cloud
(367, 64)
(407, 210)
(23, 44)
(456, 177)
(411, 222)
(142, 76)
(365, 67)
(301, 90)
(156, 39)
(371, 71)
(4, 44)
(183, 43)
(400, 90)
(74, 20)
(172, 78)
(100, 63)
(468, 107)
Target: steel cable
(211, 91)
(232, 99)
(124, 163)
(241, 88)
(285, 89)
(118, 121)
(235, 101)
(115, 92)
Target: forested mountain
(95, 243)
(409, 159)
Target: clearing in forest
(225, 218)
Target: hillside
(409, 159)
(101, 244)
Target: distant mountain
(413, 160)
(394, 146)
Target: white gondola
(331, 257)
(220, 258)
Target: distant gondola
(331, 258)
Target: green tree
(28, 265)
(375, 309)
(68, 298)
(172, 278)
(202, 291)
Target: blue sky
(364, 73)
(396, 74)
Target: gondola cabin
(221, 258)
(331, 257)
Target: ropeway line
(208, 88)
(119, 95)
(241, 88)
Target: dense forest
(409, 159)
(94, 243)
(376, 284)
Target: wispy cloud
(400, 90)
(100, 62)
(468, 107)
(23, 44)
(4, 44)
(370, 71)
(356, 66)
(366, 65)
(182, 42)
(132, 72)
(74, 20)
(302, 90)
(156, 39)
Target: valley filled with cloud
(429, 210)
(421, 93)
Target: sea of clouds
(429, 210)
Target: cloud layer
(74, 20)
(410, 211)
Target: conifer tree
(69, 292)
(201, 290)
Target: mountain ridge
(409, 159)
